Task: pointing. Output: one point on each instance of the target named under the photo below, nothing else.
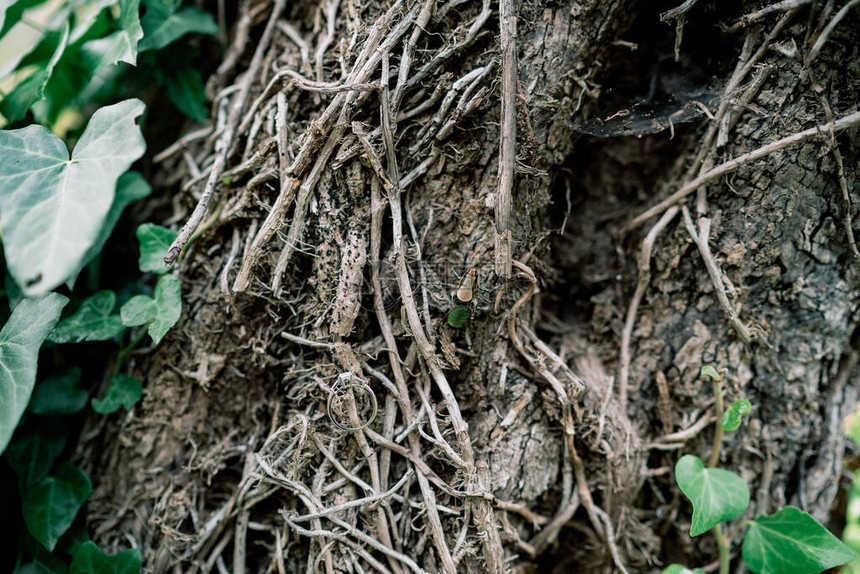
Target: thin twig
(677, 11)
(306, 342)
(369, 540)
(730, 119)
(424, 346)
(356, 502)
(508, 134)
(825, 34)
(599, 519)
(632, 310)
(746, 61)
(843, 184)
(181, 143)
(540, 541)
(700, 238)
(689, 432)
(222, 147)
(422, 275)
(776, 8)
(847, 121)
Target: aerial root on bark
(225, 141)
(355, 497)
(702, 172)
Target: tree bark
(361, 151)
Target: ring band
(348, 382)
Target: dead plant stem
(225, 141)
(632, 310)
(847, 121)
(508, 144)
(700, 238)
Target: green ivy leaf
(717, 495)
(91, 322)
(123, 391)
(162, 24)
(711, 372)
(11, 12)
(50, 507)
(52, 207)
(122, 45)
(43, 562)
(33, 451)
(154, 243)
(734, 414)
(20, 339)
(60, 394)
(13, 292)
(161, 313)
(89, 559)
(130, 188)
(49, 565)
(186, 90)
(792, 542)
(16, 103)
(678, 569)
(73, 538)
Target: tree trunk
(578, 156)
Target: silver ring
(349, 385)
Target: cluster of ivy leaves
(65, 342)
(790, 541)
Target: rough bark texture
(340, 205)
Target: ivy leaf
(50, 507)
(129, 188)
(32, 452)
(60, 394)
(154, 241)
(186, 90)
(52, 207)
(20, 339)
(43, 562)
(122, 45)
(49, 564)
(717, 495)
(792, 542)
(123, 391)
(161, 313)
(11, 12)
(13, 292)
(89, 559)
(91, 322)
(74, 537)
(734, 414)
(16, 103)
(678, 569)
(162, 24)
